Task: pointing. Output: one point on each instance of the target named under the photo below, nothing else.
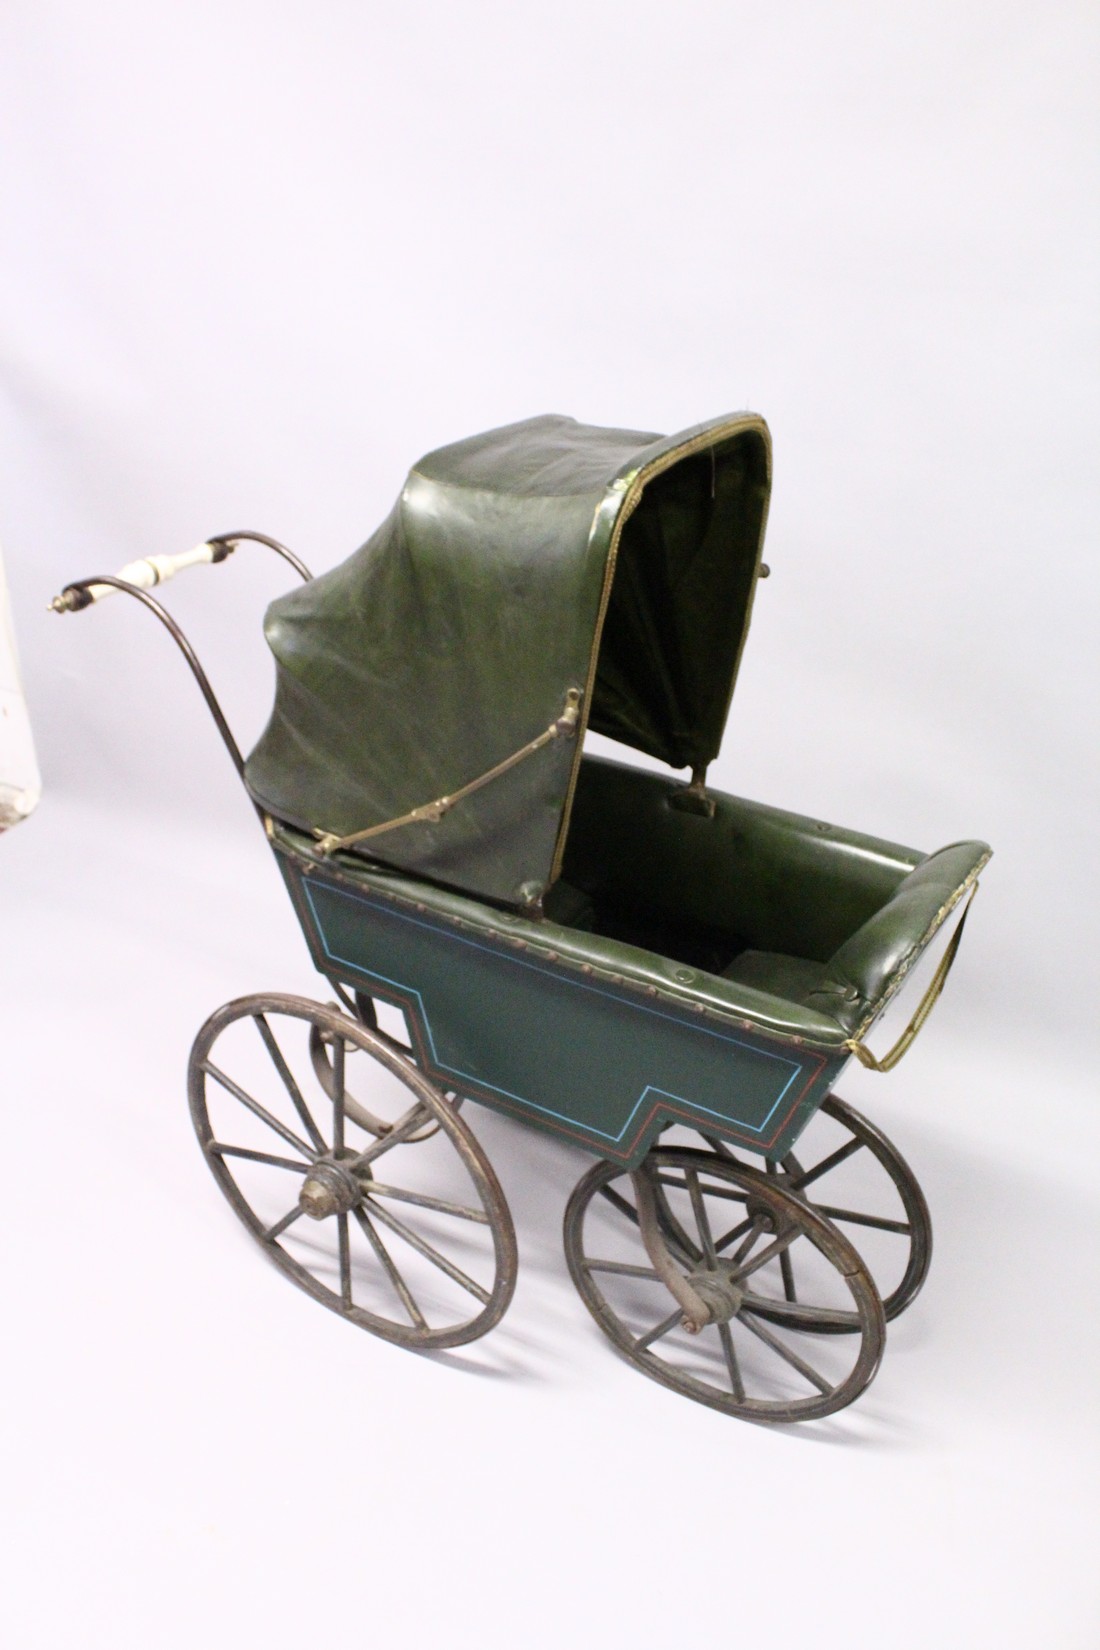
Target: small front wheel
(415, 1244)
(759, 1356)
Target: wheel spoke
(785, 1258)
(776, 1247)
(797, 1313)
(345, 1260)
(618, 1201)
(720, 1149)
(280, 1226)
(659, 1329)
(339, 1052)
(730, 1193)
(416, 1242)
(344, 998)
(757, 1230)
(764, 1334)
(403, 1291)
(622, 1268)
(738, 1231)
(257, 1110)
(415, 1119)
(217, 1149)
(842, 1153)
(423, 1201)
(737, 1386)
(295, 1093)
(855, 1219)
(677, 1248)
(701, 1221)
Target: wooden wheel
(853, 1175)
(739, 1224)
(407, 1236)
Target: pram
(669, 977)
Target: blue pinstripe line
(522, 1100)
(520, 962)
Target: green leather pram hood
(519, 567)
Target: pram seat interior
(809, 913)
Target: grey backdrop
(259, 257)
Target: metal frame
(82, 587)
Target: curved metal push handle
(152, 571)
(230, 542)
(145, 574)
(107, 584)
(137, 578)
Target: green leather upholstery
(769, 880)
(805, 913)
(869, 967)
(790, 977)
(597, 957)
(569, 906)
(518, 567)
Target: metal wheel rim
(836, 1249)
(917, 1216)
(491, 1198)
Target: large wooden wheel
(738, 1224)
(384, 1208)
(854, 1176)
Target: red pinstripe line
(621, 1150)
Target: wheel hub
(719, 1293)
(761, 1214)
(329, 1188)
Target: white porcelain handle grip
(143, 575)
